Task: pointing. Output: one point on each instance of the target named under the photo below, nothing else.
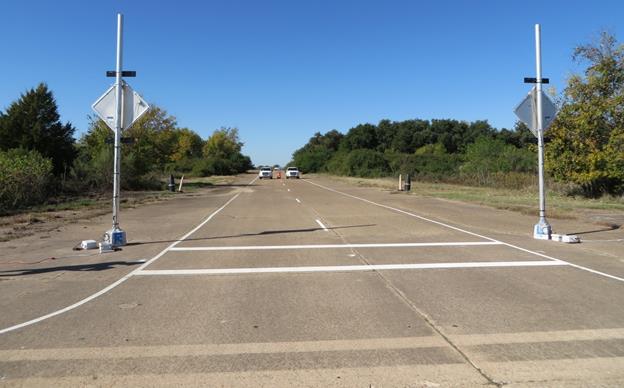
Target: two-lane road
(314, 283)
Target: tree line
(39, 156)
(436, 149)
(584, 145)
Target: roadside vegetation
(607, 210)
(41, 164)
(584, 146)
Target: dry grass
(522, 201)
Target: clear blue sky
(282, 70)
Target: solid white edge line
(468, 232)
(334, 246)
(403, 212)
(348, 268)
(322, 226)
(123, 279)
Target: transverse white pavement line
(347, 268)
(123, 279)
(468, 232)
(196, 350)
(322, 226)
(334, 246)
(130, 352)
(297, 199)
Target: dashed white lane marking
(297, 199)
(347, 268)
(467, 232)
(288, 189)
(123, 279)
(334, 246)
(322, 226)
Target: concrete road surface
(313, 282)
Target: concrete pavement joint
(468, 232)
(394, 289)
(120, 281)
(439, 331)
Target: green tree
(222, 154)
(520, 136)
(410, 135)
(587, 138)
(188, 145)
(314, 156)
(154, 143)
(33, 123)
(363, 136)
(223, 143)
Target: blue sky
(282, 70)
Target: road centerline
(321, 225)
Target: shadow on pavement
(79, 268)
(263, 233)
(234, 185)
(204, 185)
(612, 227)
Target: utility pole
(119, 107)
(542, 228)
(537, 111)
(118, 236)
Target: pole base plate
(115, 237)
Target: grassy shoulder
(522, 201)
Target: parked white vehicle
(265, 172)
(292, 172)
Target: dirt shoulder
(46, 218)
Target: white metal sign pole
(118, 124)
(543, 225)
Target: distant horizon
(281, 71)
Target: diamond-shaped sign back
(133, 107)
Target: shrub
(435, 166)
(203, 167)
(360, 162)
(487, 156)
(91, 173)
(25, 179)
